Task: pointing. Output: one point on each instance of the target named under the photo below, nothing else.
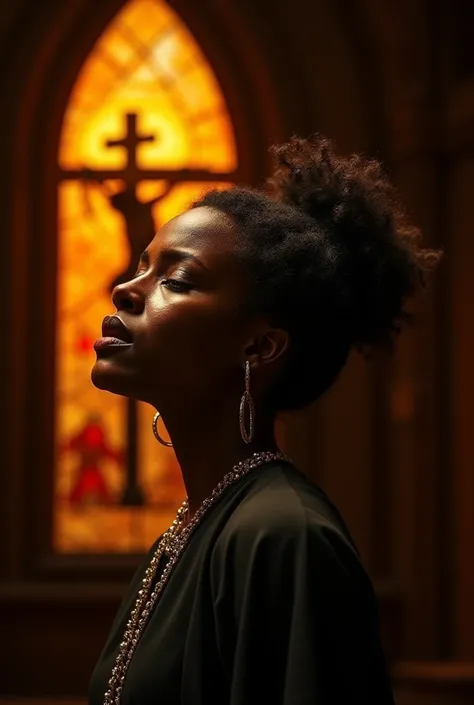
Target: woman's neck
(208, 447)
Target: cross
(131, 142)
(132, 174)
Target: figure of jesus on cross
(140, 228)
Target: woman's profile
(245, 306)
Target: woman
(247, 305)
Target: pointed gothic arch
(115, 490)
(49, 82)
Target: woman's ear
(267, 346)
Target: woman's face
(182, 317)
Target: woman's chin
(109, 376)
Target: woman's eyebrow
(172, 254)
(176, 255)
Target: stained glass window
(146, 130)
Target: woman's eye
(176, 285)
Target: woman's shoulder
(280, 497)
(283, 510)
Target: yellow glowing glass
(147, 66)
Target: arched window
(146, 130)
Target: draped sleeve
(295, 614)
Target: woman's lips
(108, 343)
(114, 327)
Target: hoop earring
(156, 434)
(247, 401)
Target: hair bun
(349, 195)
(351, 200)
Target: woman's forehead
(205, 231)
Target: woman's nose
(126, 298)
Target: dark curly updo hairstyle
(331, 258)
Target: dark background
(392, 443)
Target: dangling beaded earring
(247, 401)
(156, 434)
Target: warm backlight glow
(146, 66)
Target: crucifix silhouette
(140, 229)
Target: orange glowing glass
(146, 77)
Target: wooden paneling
(435, 683)
(418, 430)
(462, 458)
(52, 647)
(42, 701)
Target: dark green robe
(268, 605)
